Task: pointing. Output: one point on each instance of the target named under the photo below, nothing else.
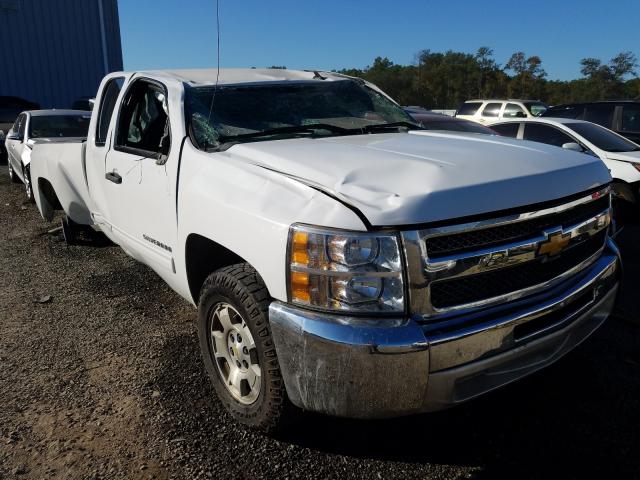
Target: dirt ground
(100, 378)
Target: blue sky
(334, 34)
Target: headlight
(345, 271)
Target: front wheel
(238, 350)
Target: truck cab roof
(225, 76)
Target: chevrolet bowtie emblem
(554, 244)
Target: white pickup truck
(342, 259)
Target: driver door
(140, 174)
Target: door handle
(113, 177)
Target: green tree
(446, 79)
(528, 80)
(488, 73)
(604, 82)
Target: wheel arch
(204, 256)
(48, 199)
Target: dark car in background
(10, 108)
(623, 117)
(438, 121)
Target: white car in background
(621, 156)
(36, 126)
(491, 111)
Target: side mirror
(521, 115)
(573, 146)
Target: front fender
(249, 209)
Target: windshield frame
(298, 130)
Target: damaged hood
(418, 177)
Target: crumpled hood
(633, 157)
(408, 178)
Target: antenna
(215, 88)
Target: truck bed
(58, 172)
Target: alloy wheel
(235, 353)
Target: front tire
(238, 350)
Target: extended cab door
(140, 176)
(99, 142)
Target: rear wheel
(238, 350)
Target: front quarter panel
(249, 209)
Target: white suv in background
(490, 111)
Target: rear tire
(233, 311)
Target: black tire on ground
(27, 185)
(69, 230)
(14, 178)
(241, 287)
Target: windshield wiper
(284, 130)
(226, 140)
(377, 127)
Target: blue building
(53, 52)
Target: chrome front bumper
(376, 368)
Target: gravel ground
(100, 377)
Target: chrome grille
(474, 288)
(465, 267)
(512, 232)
